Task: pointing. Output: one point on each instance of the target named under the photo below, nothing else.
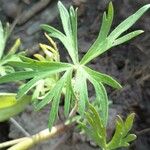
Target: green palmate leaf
(127, 37)
(96, 130)
(121, 136)
(127, 23)
(41, 73)
(81, 90)
(101, 44)
(93, 126)
(100, 77)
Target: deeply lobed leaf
(94, 126)
(103, 78)
(122, 137)
(104, 42)
(69, 39)
(127, 23)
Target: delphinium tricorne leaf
(94, 128)
(105, 41)
(74, 75)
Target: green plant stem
(28, 142)
(12, 142)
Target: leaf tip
(60, 4)
(110, 5)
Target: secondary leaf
(103, 43)
(54, 32)
(100, 77)
(106, 23)
(41, 65)
(73, 17)
(20, 75)
(54, 108)
(122, 137)
(101, 99)
(28, 86)
(3, 38)
(14, 48)
(69, 22)
(65, 19)
(68, 94)
(58, 87)
(54, 96)
(127, 23)
(81, 90)
(94, 126)
(95, 50)
(127, 37)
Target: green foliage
(93, 126)
(105, 41)
(3, 37)
(9, 106)
(71, 79)
(122, 137)
(10, 55)
(69, 39)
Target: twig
(147, 130)
(13, 121)
(28, 142)
(26, 15)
